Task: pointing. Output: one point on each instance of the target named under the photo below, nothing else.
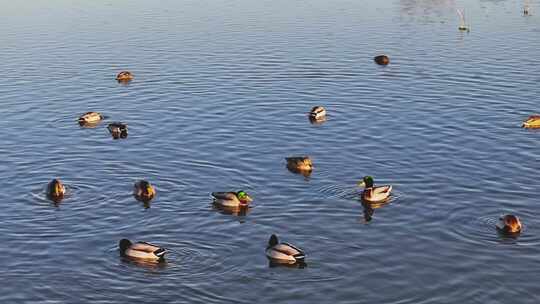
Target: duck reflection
(241, 210)
(369, 208)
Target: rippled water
(219, 99)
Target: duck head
(243, 197)
(56, 190)
(124, 244)
(509, 224)
(366, 182)
(146, 190)
(273, 241)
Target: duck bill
(361, 184)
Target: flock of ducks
(278, 252)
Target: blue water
(220, 98)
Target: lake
(220, 97)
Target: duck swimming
(90, 118)
(283, 252)
(532, 122)
(118, 130)
(299, 164)
(144, 191)
(382, 60)
(124, 76)
(231, 199)
(141, 250)
(509, 224)
(317, 113)
(56, 190)
(372, 194)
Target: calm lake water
(220, 98)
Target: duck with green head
(372, 194)
(231, 199)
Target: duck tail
(160, 252)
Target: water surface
(220, 98)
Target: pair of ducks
(92, 119)
(142, 190)
(371, 194)
(283, 253)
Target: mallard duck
(144, 191)
(317, 113)
(124, 76)
(373, 194)
(141, 250)
(532, 122)
(299, 163)
(90, 117)
(118, 130)
(509, 224)
(283, 252)
(56, 190)
(382, 59)
(231, 199)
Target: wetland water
(220, 98)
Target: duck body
(317, 113)
(56, 190)
(382, 60)
(90, 118)
(141, 250)
(533, 122)
(144, 191)
(299, 163)
(509, 224)
(231, 199)
(372, 194)
(124, 76)
(118, 130)
(283, 252)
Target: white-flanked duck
(283, 252)
(317, 113)
(231, 199)
(141, 250)
(372, 194)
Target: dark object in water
(124, 76)
(382, 59)
(118, 130)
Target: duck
(90, 117)
(372, 194)
(56, 190)
(144, 191)
(231, 199)
(141, 250)
(509, 224)
(317, 113)
(532, 122)
(124, 76)
(382, 59)
(118, 130)
(299, 163)
(283, 252)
